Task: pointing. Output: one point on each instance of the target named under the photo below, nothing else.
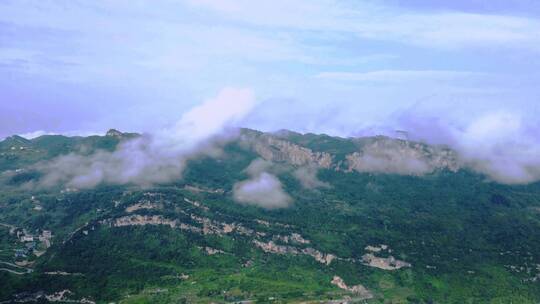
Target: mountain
(269, 217)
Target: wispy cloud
(370, 21)
(307, 176)
(152, 158)
(130, 64)
(395, 76)
(32, 135)
(503, 145)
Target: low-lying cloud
(259, 166)
(154, 158)
(390, 157)
(505, 146)
(263, 189)
(307, 176)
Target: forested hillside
(283, 217)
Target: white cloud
(34, 134)
(156, 158)
(263, 190)
(227, 109)
(448, 30)
(307, 176)
(502, 145)
(453, 30)
(147, 59)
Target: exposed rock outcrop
(385, 155)
(143, 205)
(376, 248)
(64, 296)
(212, 251)
(278, 150)
(359, 289)
(292, 238)
(374, 154)
(196, 204)
(389, 263)
(272, 247)
(114, 133)
(142, 220)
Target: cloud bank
(503, 145)
(262, 189)
(154, 158)
(391, 159)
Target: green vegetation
(468, 240)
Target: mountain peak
(114, 133)
(17, 140)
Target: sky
(339, 67)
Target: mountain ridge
(264, 218)
(301, 149)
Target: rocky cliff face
(114, 133)
(375, 154)
(385, 155)
(277, 150)
(359, 289)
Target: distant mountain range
(370, 154)
(260, 217)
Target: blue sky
(341, 67)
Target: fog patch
(307, 176)
(155, 158)
(263, 189)
(503, 145)
(259, 166)
(391, 157)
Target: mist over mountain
(241, 214)
(239, 151)
(507, 157)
